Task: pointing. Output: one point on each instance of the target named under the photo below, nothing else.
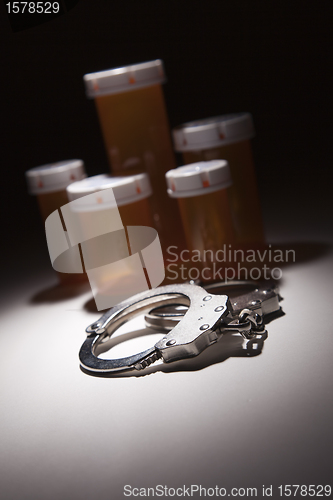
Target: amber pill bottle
(101, 219)
(48, 183)
(134, 123)
(228, 137)
(202, 195)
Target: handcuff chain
(248, 323)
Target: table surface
(224, 419)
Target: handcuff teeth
(148, 361)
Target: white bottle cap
(213, 132)
(116, 80)
(54, 176)
(199, 178)
(126, 190)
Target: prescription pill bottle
(99, 220)
(134, 123)
(48, 183)
(201, 191)
(228, 137)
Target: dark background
(271, 58)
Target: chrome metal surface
(263, 299)
(197, 330)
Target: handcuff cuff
(189, 330)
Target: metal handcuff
(208, 317)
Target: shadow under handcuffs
(228, 345)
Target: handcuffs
(188, 330)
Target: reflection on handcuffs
(189, 330)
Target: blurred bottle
(99, 219)
(48, 183)
(201, 191)
(228, 137)
(133, 118)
